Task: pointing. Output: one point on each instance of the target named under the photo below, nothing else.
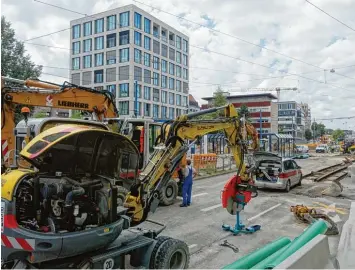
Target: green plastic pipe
(258, 255)
(318, 227)
(270, 259)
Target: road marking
(199, 194)
(211, 207)
(264, 212)
(192, 246)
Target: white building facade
(141, 60)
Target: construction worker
(189, 173)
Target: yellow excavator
(63, 212)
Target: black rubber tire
(169, 193)
(172, 254)
(121, 195)
(160, 240)
(288, 186)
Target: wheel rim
(169, 191)
(178, 260)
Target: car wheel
(288, 186)
(169, 193)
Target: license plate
(2, 216)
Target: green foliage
(308, 135)
(218, 101)
(243, 110)
(15, 62)
(318, 129)
(76, 115)
(40, 115)
(338, 135)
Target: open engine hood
(260, 156)
(79, 149)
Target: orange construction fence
(203, 161)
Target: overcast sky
(306, 40)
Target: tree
(318, 129)
(219, 100)
(15, 62)
(243, 110)
(308, 135)
(338, 135)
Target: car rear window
(38, 146)
(54, 137)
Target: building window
(147, 43)
(137, 56)
(163, 81)
(164, 50)
(124, 19)
(139, 109)
(171, 113)
(178, 57)
(87, 61)
(155, 62)
(112, 89)
(111, 22)
(76, 31)
(137, 20)
(124, 107)
(137, 38)
(155, 111)
(111, 74)
(185, 45)
(171, 69)
(155, 78)
(123, 73)
(172, 39)
(87, 45)
(124, 55)
(156, 95)
(156, 31)
(111, 57)
(147, 25)
(146, 109)
(178, 100)
(99, 43)
(76, 63)
(171, 99)
(156, 47)
(178, 112)
(184, 101)
(171, 54)
(164, 65)
(138, 91)
(111, 40)
(99, 26)
(163, 96)
(164, 112)
(185, 87)
(184, 59)
(147, 76)
(147, 92)
(178, 42)
(178, 71)
(178, 85)
(124, 37)
(76, 47)
(138, 74)
(171, 83)
(185, 74)
(163, 35)
(99, 59)
(147, 59)
(98, 76)
(87, 29)
(124, 90)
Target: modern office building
(260, 106)
(132, 54)
(306, 114)
(290, 119)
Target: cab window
(154, 131)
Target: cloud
(293, 28)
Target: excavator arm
(171, 146)
(44, 94)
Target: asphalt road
(199, 225)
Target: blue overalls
(187, 188)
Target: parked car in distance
(275, 172)
(322, 148)
(302, 149)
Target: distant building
(290, 119)
(193, 104)
(306, 114)
(259, 105)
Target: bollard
(260, 254)
(318, 227)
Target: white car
(302, 149)
(323, 148)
